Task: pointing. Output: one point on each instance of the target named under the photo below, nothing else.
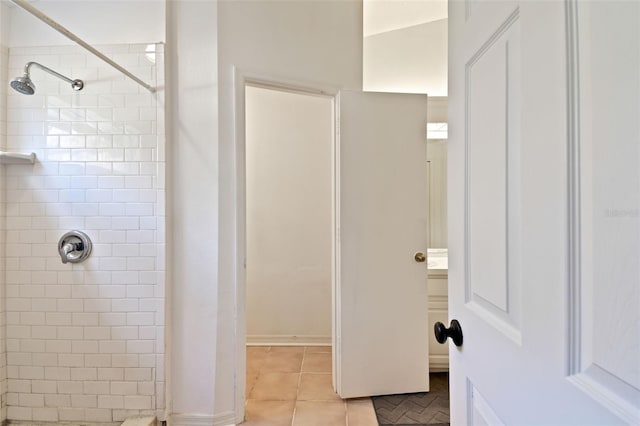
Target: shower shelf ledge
(17, 157)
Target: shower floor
(291, 386)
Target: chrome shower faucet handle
(74, 247)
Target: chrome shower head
(25, 86)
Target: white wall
(407, 60)
(192, 122)
(313, 42)
(95, 21)
(438, 110)
(437, 155)
(289, 137)
(380, 16)
(4, 23)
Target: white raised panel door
(381, 338)
(544, 212)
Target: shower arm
(46, 69)
(24, 4)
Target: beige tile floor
(291, 386)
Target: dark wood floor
(426, 408)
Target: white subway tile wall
(85, 342)
(4, 63)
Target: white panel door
(381, 339)
(544, 212)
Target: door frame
(241, 79)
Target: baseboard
(438, 363)
(280, 340)
(63, 423)
(224, 419)
(438, 366)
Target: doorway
(289, 141)
(289, 138)
(381, 140)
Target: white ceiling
(387, 15)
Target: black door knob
(454, 331)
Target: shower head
(25, 86)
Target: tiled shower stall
(83, 342)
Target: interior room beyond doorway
(289, 138)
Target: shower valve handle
(74, 247)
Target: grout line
(300, 375)
(304, 356)
(295, 404)
(346, 417)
